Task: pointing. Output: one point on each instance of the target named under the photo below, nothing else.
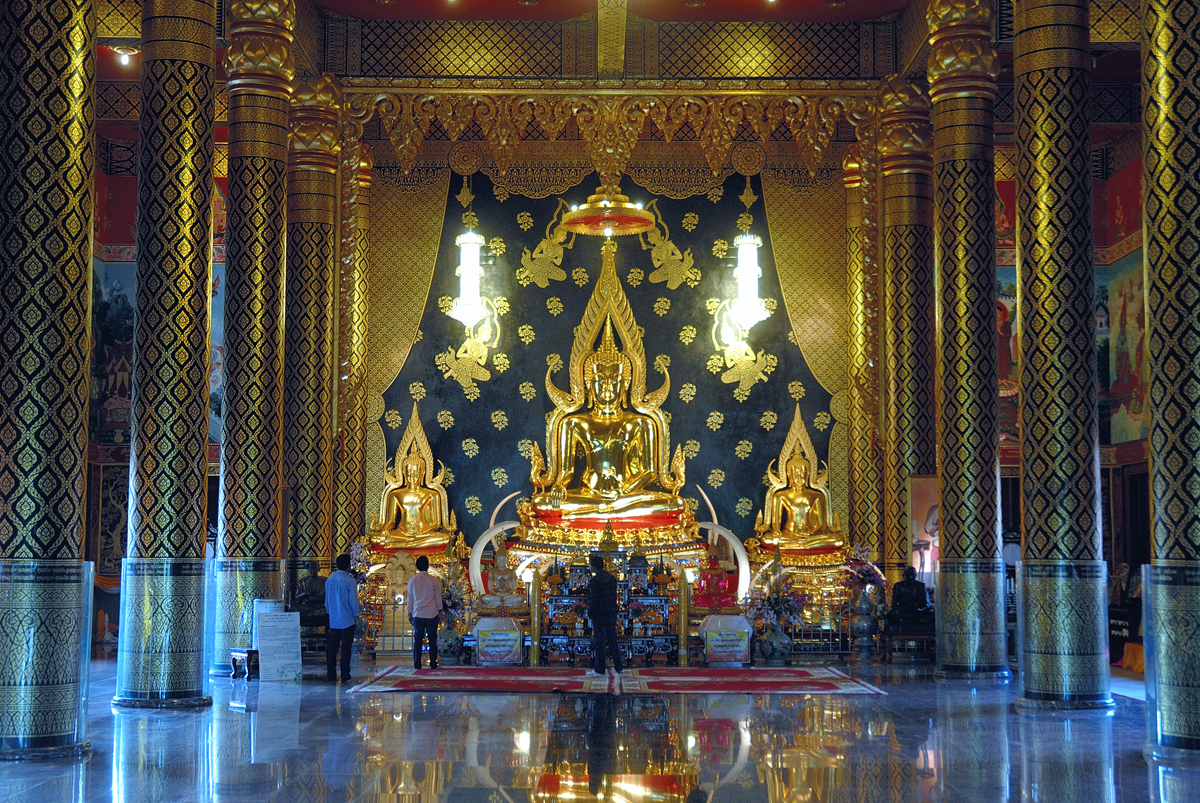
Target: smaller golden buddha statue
(795, 515)
(504, 587)
(414, 510)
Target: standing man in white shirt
(424, 610)
(341, 601)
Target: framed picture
(923, 540)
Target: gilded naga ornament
(796, 513)
(414, 511)
(622, 440)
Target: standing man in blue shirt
(341, 600)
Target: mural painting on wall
(113, 287)
(482, 390)
(1127, 370)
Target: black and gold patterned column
(159, 654)
(866, 475)
(909, 448)
(312, 228)
(1065, 649)
(962, 73)
(47, 125)
(1171, 182)
(349, 515)
(260, 67)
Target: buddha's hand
(556, 497)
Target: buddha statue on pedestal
(414, 510)
(620, 441)
(505, 589)
(795, 514)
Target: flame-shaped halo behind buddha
(415, 441)
(797, 446)
(609, 304)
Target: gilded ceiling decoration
(610, 124)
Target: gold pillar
(159, 654)
(866, 468)
(260, 67)
(349, 515)
(47, 126)
(1171, 181)
(312, 222)
(962, 73)
(1067, 757)
(535, 619)
(905, 137)
(1065, 649)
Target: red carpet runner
(807, 680)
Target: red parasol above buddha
(607, 441)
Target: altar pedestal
(499, 642)
(726, 640)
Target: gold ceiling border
(611, 121)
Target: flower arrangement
(637, 610)
(777, 604)
(454, 595)
(861, 572)
(580, 610)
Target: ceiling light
(124, 52)
(695, 3)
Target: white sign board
(278, 638)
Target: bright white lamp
(468, 307)
(748, 308)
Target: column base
(1182, 755)
(160, 653)
(1031, 705)
(987, 673)
(182, 702)
(79, 750)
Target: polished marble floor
(924, 741)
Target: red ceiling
(660, 10)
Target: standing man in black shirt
(602, 610)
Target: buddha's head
(798, 472)
(607, 372)
(413, 468)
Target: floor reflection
(924, 742)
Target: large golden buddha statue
(795, 514)
(414, 512)
(602, 459)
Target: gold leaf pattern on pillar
(45, 273)
(1171, 182)
(46, 131)
(163, 602)
(308, 338)
(260, 66)
(963, 69)
(169, 408)
(349, 475)
(905, 137)
(1066, 641)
